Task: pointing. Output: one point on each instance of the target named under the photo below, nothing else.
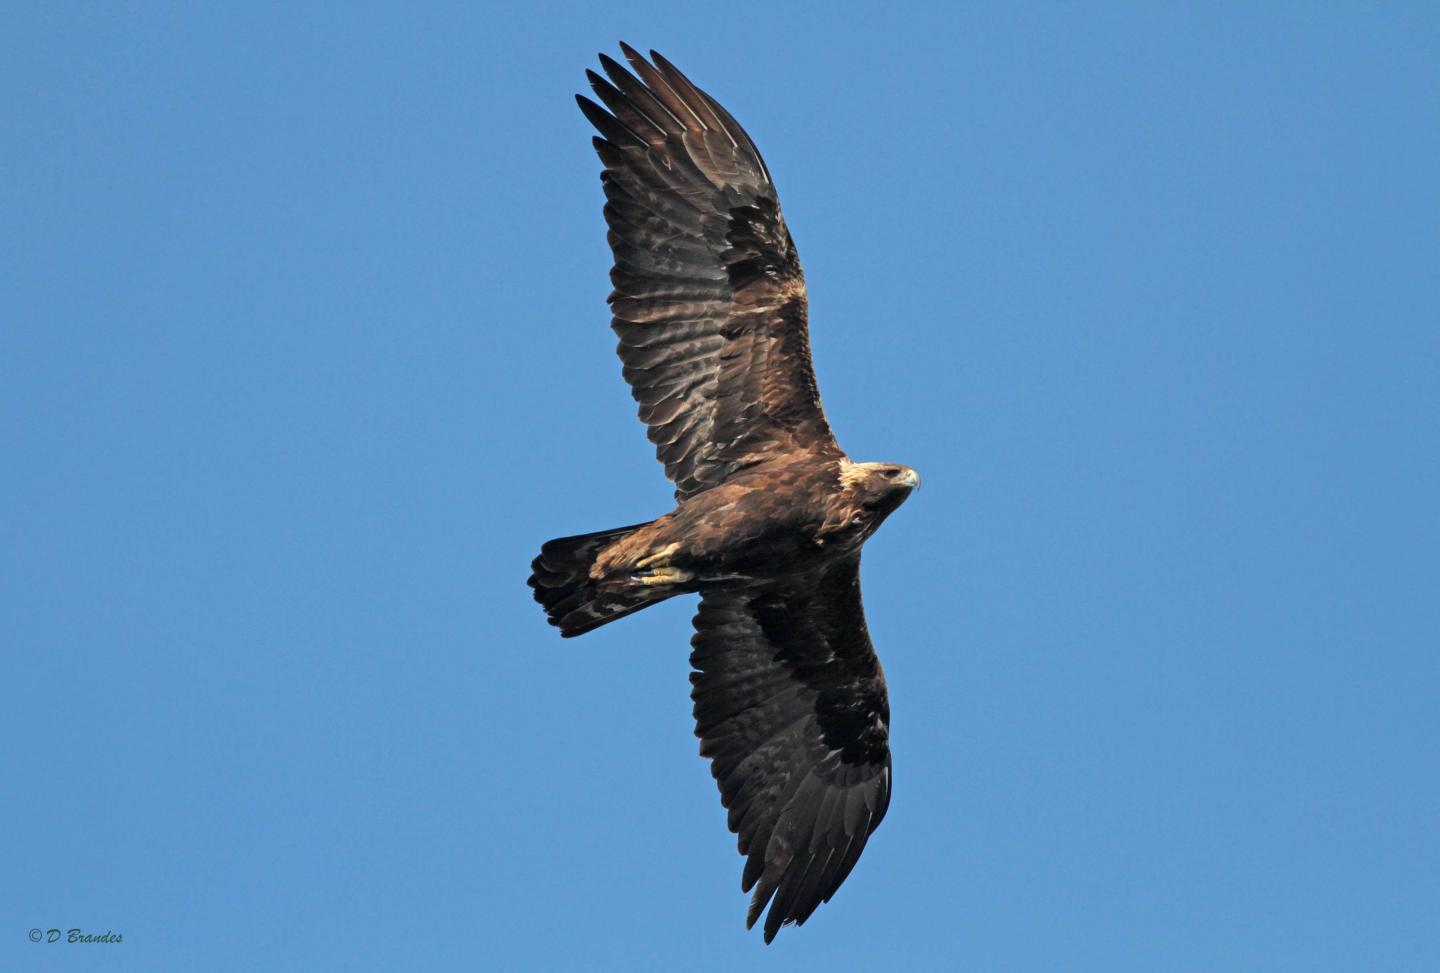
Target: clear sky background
(305, 352)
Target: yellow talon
(664, 576)
(656, 569)
(660, 558)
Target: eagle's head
(878, 488)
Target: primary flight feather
(710, 308)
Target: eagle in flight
(710, 308)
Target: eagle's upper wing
(790, 706)
(709, 299)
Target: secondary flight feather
(711, 312)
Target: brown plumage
(710, 307)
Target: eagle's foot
(656, 568)
(660, 559)
(662, 576)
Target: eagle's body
(760, 524)
(710, 307)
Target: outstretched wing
(790, 706)
(709, 299)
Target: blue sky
(305, 352)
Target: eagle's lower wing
(790, 706)
(709, 298)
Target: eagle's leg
(663, 576)
(656, 568)
(660, 558)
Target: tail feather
(573, 602)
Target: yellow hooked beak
(910, 479)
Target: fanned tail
(572, 600)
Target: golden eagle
(710, 307)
